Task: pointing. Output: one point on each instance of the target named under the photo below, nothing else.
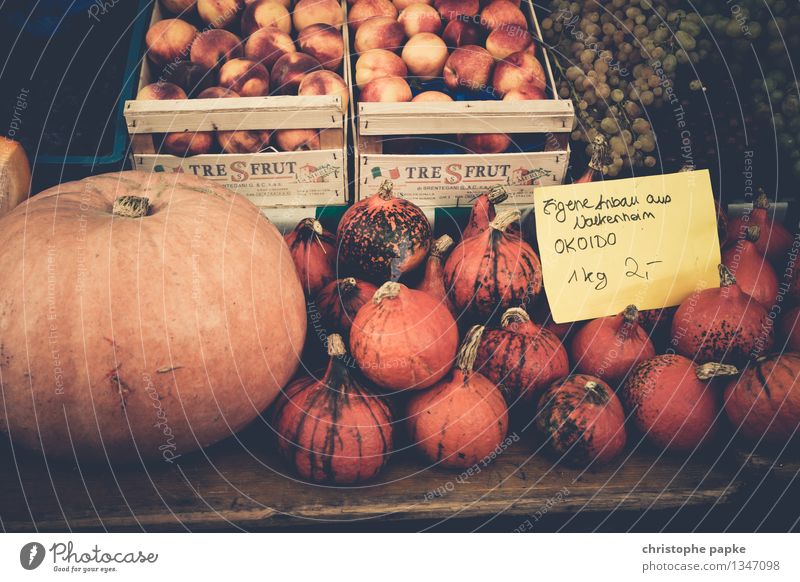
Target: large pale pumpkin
(142, 336)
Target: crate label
(457, 180)
(315, 178)
(650, 242)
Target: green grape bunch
(616, 60)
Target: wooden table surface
(242, 485)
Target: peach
(216, 93)
(219, 13)
(179, 7)
(169, 40)
(308, 12)
(425, 55)
(189, 76)
(457, 9)
(324, 43)
(484, 143)
(242, 141)
(403, 4)
(295, 140)
(160, 91)
(248, 78)
(265, 13)
(183, 143)
(289, 71)
(378, 63)
(428, 96)
(285, 3)
(325, 83)
(461, 33)
(499, 13)
(506, 40)
(525, 93)
(517, 70)
(379, 32)
(267, 45)
(386, 90)
(214, 47)
(420, 18)
(468, 67)
(364, 9)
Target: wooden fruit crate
(441, 180)
(270, 179)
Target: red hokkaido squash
(462, 419)
(670, 400)
(383, 237)
(775, 240)
(582, 420)
(139, 320)
(483, 212)
(492, 271)
(610, 347)
(404, 339)
(339, 302)
(722, 324)
(332, 429)
(313, 251)
(657, 321)
(752, 270)
(521, 357)
(433, 280)
(764, 402)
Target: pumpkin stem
(596, 392)
(726, 278)
(497, 194)
(514, 315)
(336, 347)
(713, 369)
(390, 290)
(131, 206)
(753, 233)
(441, 245)
(465, 360)
(761, 202)
(631, 314)
(347, 285)
(504, 219)
(385, 190)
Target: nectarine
(248, 78)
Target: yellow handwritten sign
(649, 241)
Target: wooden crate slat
(548, 115)
(322, 112)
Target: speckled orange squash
(483, 212)
(138, 319)
(383, 237)
(313, 251)
(339, 303)
(521, 358)
(492, 271)
(332, 429)
(582, 420)
(764, 403)
(463, 418)
(722, 324)
(433, 279)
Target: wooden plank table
(242, 485)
